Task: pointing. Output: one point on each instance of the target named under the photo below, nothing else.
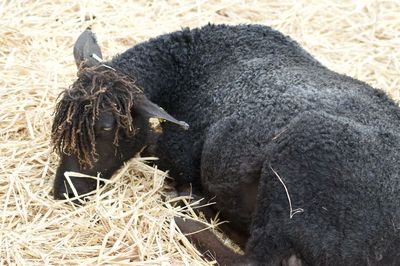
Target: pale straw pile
(129, 221)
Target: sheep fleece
(256, 103)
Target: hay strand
(128, 221)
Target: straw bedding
(129, 220)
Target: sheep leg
(209, 213)
(293, 260)
(208, 243)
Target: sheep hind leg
(209, 244)
(209, 213)
(293, 260)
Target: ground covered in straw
(128, 221)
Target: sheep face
(107, 158)
(101, 121)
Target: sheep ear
(147, 108)
(87, 52)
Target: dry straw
(128, 221)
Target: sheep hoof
(293, 260)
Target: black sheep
(300, 158)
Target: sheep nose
(63, 191)
(58, 196)
(60, 192)
(61, 185)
